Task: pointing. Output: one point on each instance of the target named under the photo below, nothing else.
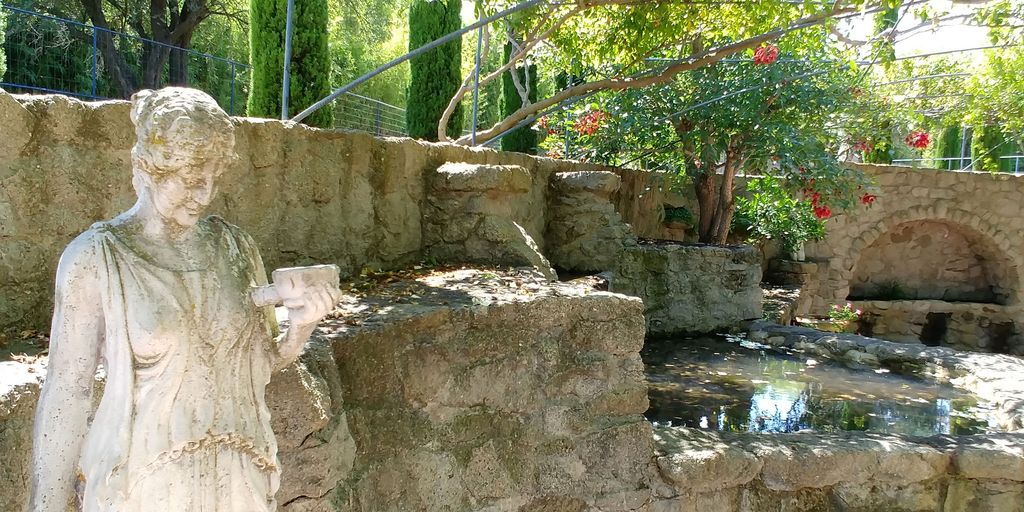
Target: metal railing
(48, 54)
(355, 112)
(51, 55)
(961, 163)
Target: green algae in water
(716, 384)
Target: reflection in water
(716, 384)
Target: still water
(734, 385)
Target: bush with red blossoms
(918, 139)
(591, 122)
(868, 199)
(863, 146)
(822, 212)
(766, 54)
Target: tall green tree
(310, 63)
(435, 76)
(524, 139)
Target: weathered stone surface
(941, 238)
(584, 232)
(305, 195)
(467, 390)
(695, 461)
(17, 123)
(849, 472)
(692, 288)
(19, 390)
(475, 214)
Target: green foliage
(45, 53)
(364, 35)
(988, 144)
(889, 290)
(524, 139)
(436, 75)
(310, 63)
(3, 30)
(679, 214)
(773, 213)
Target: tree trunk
(179, 62)
(726, 200)
(125, 82)
(707, 204)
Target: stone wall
(936, 248)
(305, 195)
(852, 472)
(964, 326)
(492, 391)
(690, 288)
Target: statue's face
(183, 197)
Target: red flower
(822, 212)
(591, 122)
(918, 139)
(863, 146)
(766, 54)
(867, 199)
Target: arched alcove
(933, 260)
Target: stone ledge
(866, 472)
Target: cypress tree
(524, 139)
(310, 64)
(436, 75)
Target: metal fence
(355, 112)
(47, 54)
(1011, 163)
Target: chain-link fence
(47, 54)
(355, 112)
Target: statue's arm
(303, 316)
(62, 414)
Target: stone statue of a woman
(162, 298)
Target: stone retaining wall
(690, 288)
(305, 195)
(945, 243)
(853, 472)
(469, 390)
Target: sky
(949, 36)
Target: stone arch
(992, 244)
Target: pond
(730, 384)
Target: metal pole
(419, 51)
(232, 107)
(287, 60)
(476, 85)
(94, 62)
(376, 120)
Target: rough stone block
(692, 288)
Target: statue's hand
(308, 304)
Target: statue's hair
(178, 127)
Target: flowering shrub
(863, 146)
(868, 199)
(821, 210)
(591, 122)
(918, 139)
(766, 54)
(844, 314)
(545, 124)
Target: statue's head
(184, 141)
